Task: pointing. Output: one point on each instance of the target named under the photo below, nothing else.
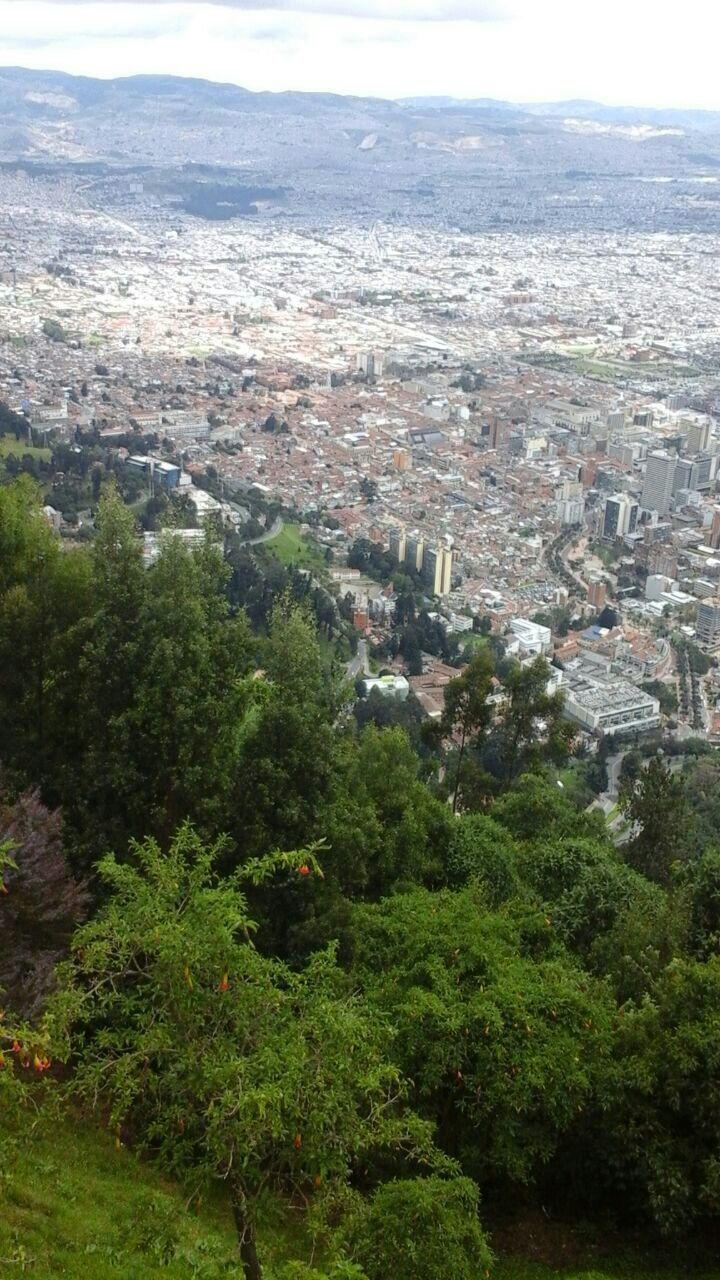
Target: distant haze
(640, 52)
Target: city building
(397, 544)
(437, 570)
(707, 626)
(597, 593)
(619, 517)
(607, 704)
(162, 475)
(698, 435)
(388, 686)
(414, 551)
(533, 638)
(714, 539)
(658, 484)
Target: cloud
(393, 10)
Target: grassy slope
(73, 1207)
(291, 548)
(8, 445)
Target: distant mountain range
(578, 109)
(470, 164)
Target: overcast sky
(645, 52)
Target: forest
(300, 956)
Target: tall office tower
(708, 621)
(697, 437)
(597, 593)
(397, 543)
(658, 484)
(714, 539)
(437, 570)
(371, 364)
(619, 517)
(686, 475)
(616, 420)
(414, 551)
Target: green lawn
(73, 1207)
(8, 445)
(291, 548)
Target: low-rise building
(608, 705)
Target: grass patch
(290, 547)
(9, 445)
(72, 1207)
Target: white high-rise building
(658, 485)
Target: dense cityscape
(531, 423)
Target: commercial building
(414, 551)
(388, 686)
(162, 475)
(437, 570)
(597, 593)
(397, 543)
(608, 705)
(571, 511)
(619, 517)
(698, 435)
(714, 539)
(533, 638)
(658, 484)
(708, 622)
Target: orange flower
(224, 983)
(318, 1180)
(297, 1143)
(16, 1047)
(2, 1060)
(304, 870)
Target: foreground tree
(40, 903)
(657, 807)
(218, 1062)
(467, 713)
(500, 1030)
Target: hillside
(474, 164)
(74, 1208)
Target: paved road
(360, 664)
(275, 529)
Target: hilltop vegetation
(313, 969)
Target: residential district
(527, 426)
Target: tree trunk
(459, 770)
(245, 1228)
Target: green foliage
(500, 1031)
(657, 805)
(224, 1065)
(466, 713)
(419, 1229)
(663, 1097)
(533, 726)
(482, 852)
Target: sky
(659, 53)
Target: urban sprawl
(526, 424)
